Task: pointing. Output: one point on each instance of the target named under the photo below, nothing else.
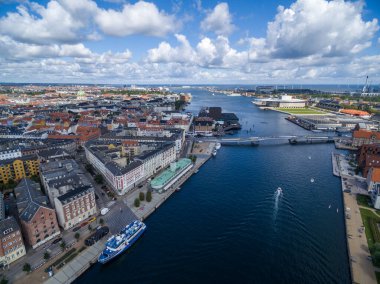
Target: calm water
(227, 225)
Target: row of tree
(142, 197)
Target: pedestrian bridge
(256, 140)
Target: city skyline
(189, 42)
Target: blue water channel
(227, 225)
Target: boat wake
(277, 199)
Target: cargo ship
(120, 242)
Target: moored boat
(120, 242)
(217, 146)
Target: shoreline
(73, 270)
(361, 269)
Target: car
(96, 197)
(104, 211)
(84, 224)
(100, 233)
(76, 229)
(56, 241)
(92, 219)
(140, 186)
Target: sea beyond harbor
(227, 222)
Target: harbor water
(229, 225)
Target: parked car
(76, 229)
(56, 241)
(100, 233)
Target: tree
(46, 255)
(4, 280)
(141, 196)
(99, 179)
(77, 236)
(137, 202)
(27, 268)
(101, 221)
(63, 245)
(149, 196)
(376, 257)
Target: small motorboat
(329, 206)
(217, 146)
(214, 152)
(311, 180)
(279, 190)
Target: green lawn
(372, 233)
(363, 200)
(299, 110)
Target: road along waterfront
(227, 224)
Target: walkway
(362, 269)
(78, 265)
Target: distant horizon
(185, 84)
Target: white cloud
(318, 27)
(38, 24)
(139, 18)
(166, 53)
(13, 50)
(72, 21)
(208, 53)
(218, 20)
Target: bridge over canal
(256, 140)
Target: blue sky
(190, 42)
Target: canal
(228, 225)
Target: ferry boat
(120, 242)
(217, 146)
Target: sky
(190, 41)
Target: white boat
(312, 180)
(217, 146)
(337, 210)
(213, 94)
(329, 206)
(234, 95)
(279, 190)
(214, 152)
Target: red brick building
(361, 137)
(38, 220)
(368, 156)
(11, 243)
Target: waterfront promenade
(362, 269)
